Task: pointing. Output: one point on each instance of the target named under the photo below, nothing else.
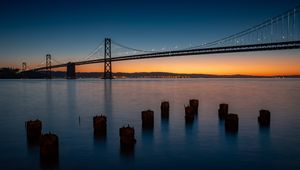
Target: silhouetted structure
(223, 110)
(127, 138)
(71, 73)
(165, 109)
(99, 124)
(231, 122)
(48, 66)
(24, 66)
(277, 33)
(189, 114)
(194, 103)
(49, 146)
(107, 59)
(264, 117)
(147, 119)
(34, 130)
(8, 73)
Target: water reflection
(147, 137)
(189, 123)
(32, 147)
(264, 130)
(49, 96)
(127, 151)
(231, 136)
(100, 137)
(264, 136)
(164, 126)
(171, 141)
(191, 126)
(71, 92)
(49, 164)
(100, 142)
(108, 101)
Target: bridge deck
(200, 51)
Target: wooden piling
(147, 119)
(127, 138)
(264, 117)
(49, 146)
(223, 110)
(99, 123)
(33, 129)
(189, 113)
(232, 122)
(165, 109)
(194, 103)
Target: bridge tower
(24, 66)
(48, 66)
(107, 59)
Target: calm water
(172, 144)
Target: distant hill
(14, 73)
(163, 75)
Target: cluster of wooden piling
(191, 110)
(49, 145)
(232, 120)
(48, 142)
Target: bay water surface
(173, 144)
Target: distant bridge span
(202, 51)
(278, 33)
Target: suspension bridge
(281, 32)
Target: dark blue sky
(30, 29)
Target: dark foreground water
(172, 144)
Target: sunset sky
(70, 30)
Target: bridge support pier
(107, 74)
(71, 73)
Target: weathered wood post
(99, 124)
(147, 119)
(189, 114)
(165, 109)
(127, 138)
(194, 103)
(231, 122)
(49, 146)
(264, 117)
(34, 130)
(223, 110)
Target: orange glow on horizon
(215, 64)
(261, 64)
